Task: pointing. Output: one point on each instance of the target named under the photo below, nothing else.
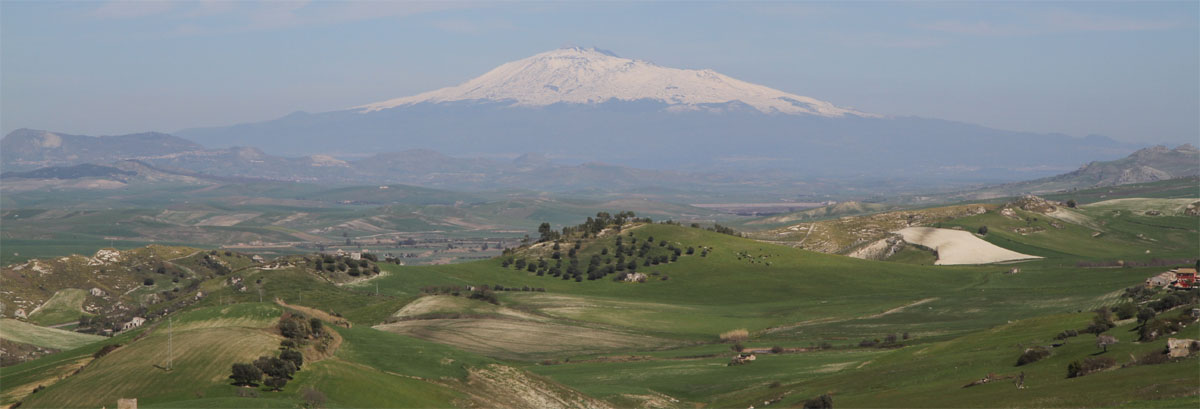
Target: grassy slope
(925, 374)
(975, 301)
(933, 375)
(971, 322)
(18, 331)
(65, 305)
(707, 295)
(1174, 188)
(207, 341)
(18, 380)
(1164, 236)
(823, 293)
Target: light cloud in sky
(222, 16)
(466, 26)
(978, 28)
(1055, 21)
(1070, 21)
(889, 41)
(122, 9)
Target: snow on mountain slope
(586, 76)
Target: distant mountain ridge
(190, 163)
(162, 157)
(595, 106)
(86, 170)
(591, 76)
(1145, 165)
(31, 148)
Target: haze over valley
(742, 205)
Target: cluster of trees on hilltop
(591, 227)
(333, 263)
(625, 256)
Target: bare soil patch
(959, 247)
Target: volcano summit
(587, 104)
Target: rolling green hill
(26, 333)
(487, 333)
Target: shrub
(1032, 355)
(275, 367)
(313, 398)
(105, 350)
(735, 335)
(983, 230)
(1103, 317)
(246, 374)
(1101, 322)
(1125, 311)
(1154, 358)
(294, 327)
(825, 401)
(276, 383)
(1092, 364)
(148, 281)
(776, 349)
(1145, 315)
(1155, 328)
(293, 356)
(1066, 334)
(1096, 328)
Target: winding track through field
(827, 320)
(898, 309)
(811, 227)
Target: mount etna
(636, 113)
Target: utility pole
(170, 335)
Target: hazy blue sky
(1127, 70)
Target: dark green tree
(293, 356)
(276, 383)
(246, 375)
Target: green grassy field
(1173, 188)
(656, 344)
(207, 341)
(65, 305)
(26, 333)
(1122, 235)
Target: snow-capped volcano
(595, 106)
(588, 76)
